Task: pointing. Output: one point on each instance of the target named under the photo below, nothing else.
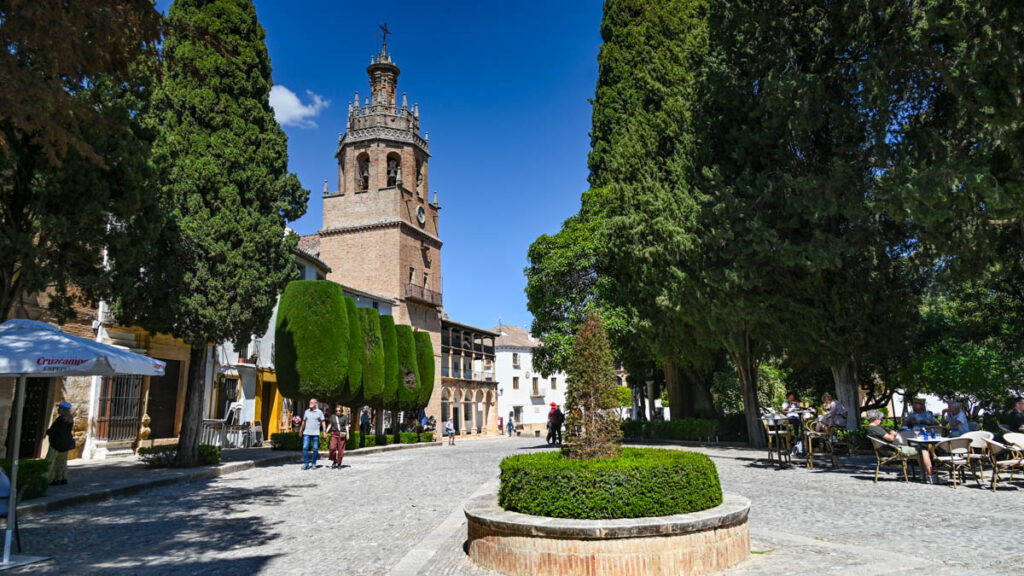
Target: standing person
(559, 421)
(511, 425)
(553, 424)
(61, 442)
(364, 423)
(501, 426)
(449, 431)
(313, 423)
(337, 427)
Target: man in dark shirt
(1016, 417)
(875, 430)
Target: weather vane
(384, 33)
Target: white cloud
(290, 111)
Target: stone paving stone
(275, 520)
(840, 522)
(365, 518)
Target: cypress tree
(222, 162)
(592, 422)
(425, 362)
(355, 352)
(371, 391)
(409, 373)
(311, 340)
(389, 392)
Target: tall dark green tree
(311, 341)
(222, 162)
(372, 389)
(392, 370)
(407, 396)
(425, 364)
(356, 351)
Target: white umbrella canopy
(31, 348)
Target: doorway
(163, 400)
(34, 419)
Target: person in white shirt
(957, 420)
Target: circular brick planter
(698, 543)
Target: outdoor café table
(925, 443)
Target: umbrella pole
(12, 499)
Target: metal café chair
(812, 438)
(889, 454)
(1003, 457)
(780, 437)
(952, 454)
(977, 454)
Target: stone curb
(51, 503)
(484, 510)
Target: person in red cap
(555, 420)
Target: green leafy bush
(163, 456)
(690, 429)
(286, 441)
(426, 436)
(641, 482)
(356, 345)
(392, 371)
(33, 475)
(409, 438)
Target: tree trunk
(677, 405)
(651, 408)
(697, 392)
(192, 416)
(378, 429)
(747, 368)
(847, 391)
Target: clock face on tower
(421, 215)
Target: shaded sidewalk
(97, 480)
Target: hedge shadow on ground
(164, 534)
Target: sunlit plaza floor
(400, 513)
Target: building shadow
(157, 532)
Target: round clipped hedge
(641, 482)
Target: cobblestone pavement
(840, 522)
(276, 520)
(404, 509)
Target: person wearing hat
(918, 415)
(555, 420)
(61, 442)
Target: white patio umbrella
(31, 348)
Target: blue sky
(503, 89)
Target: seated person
(834, 414)
(875, 430)
(1016, 416)
(791, 405)
(957, 420)
(919, 416)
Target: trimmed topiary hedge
(311, 353)
(354, 387)
(425, 362)
(163, 456)
(392, 372)
(33, 475)
(408, 369)
(642, 482)
(372, 359)
(691, 429)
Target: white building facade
(524, 393)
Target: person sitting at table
(834, 414)
(1016, 417)
(956, 419)
(919, 416)
(793, 411)
(875, 430)
(791, 405)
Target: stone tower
(380, 229)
